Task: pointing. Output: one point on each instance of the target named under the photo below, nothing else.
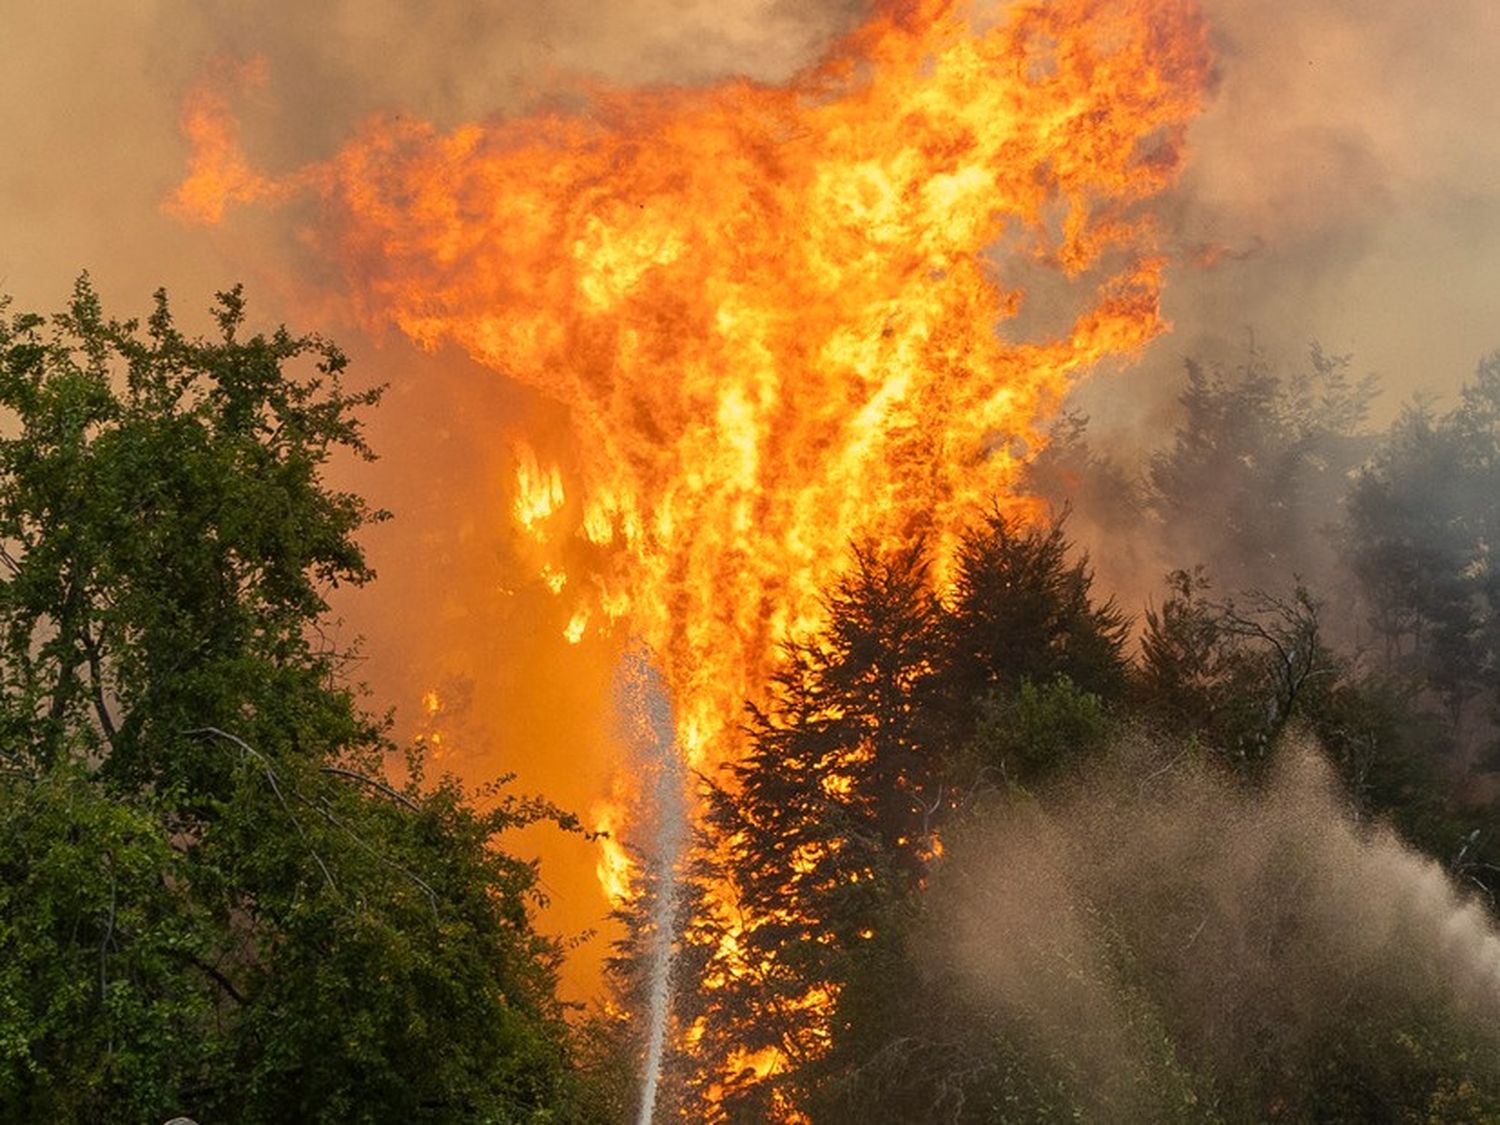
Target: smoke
(1157, 916)
(1344, 187)
(90, 98)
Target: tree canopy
(213, 899)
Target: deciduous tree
(213, 900)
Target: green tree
(824, 828)
(212, 900)
(1028, 736)
(1235, 675)
(827, 828)
(1022, 609)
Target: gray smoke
(1348, 172)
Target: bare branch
(96, 682)
(392, 864)
(214, 975)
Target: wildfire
(539, 493)
(777, 314)
(430, 733)
(613, 867)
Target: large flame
(777, 314)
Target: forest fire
(777, 314)
(769, 308)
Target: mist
(1171, 943)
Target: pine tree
(826, 825)
(1022, 609)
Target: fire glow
(776, 314)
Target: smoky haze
(1346, 179)
(1346, 184)
(1346, 171)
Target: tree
(825, 832)
(1258, 468)
(1235, 675)
(212, 899)
(1023, 609)
(1423, 520)
(824, 827)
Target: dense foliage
(212, 900)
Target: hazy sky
(1351, 154)
(1349, 163)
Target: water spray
(647, 714)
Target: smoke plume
(1343, 188)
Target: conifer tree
(1023, 609)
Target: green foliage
(214, 902)
(1032, 734)
(1022, 609)
(169, 539)
(1237, 674)
(99, 1003)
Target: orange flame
(539, 493)
(776, 313)
(430, 732)
(614, 867)
(218, 173)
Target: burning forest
(868, 626)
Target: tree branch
(214, 975)
(432, 898)
(96, 681)
(373, 783)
